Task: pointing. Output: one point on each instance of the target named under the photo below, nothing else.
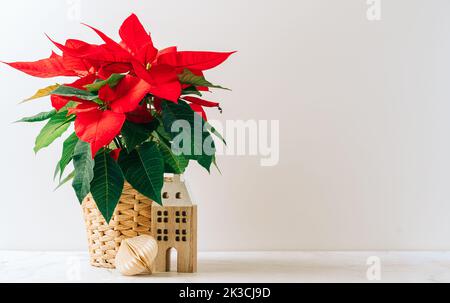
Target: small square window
(177, 239)
(159, 213)
(166, 220)
(184, 232)
(177, 213)
(159, 238)
(159, 220)
(159, 231)
(166, 213)
(166, 232)
(177, 220)
(184, 239)
(166, 238)
(177, 231)
(184, 214)
(184, 220)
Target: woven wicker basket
(132, 218)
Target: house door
(171, 260)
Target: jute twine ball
(137, 255)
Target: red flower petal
(84, 107)
(80, 66)
(46, 68)
(111, 45)
(115, 154)
(199, 110)
(54, 55)
(169, 91)
(136, 37)
(114, 68)
(146, 54)
(96, 53)
(168, 50)
(140, 115)
(80, 83)
(76, 48)
(201, 102)
(99, 128)
(163, 80)
(59, 102)
(130, 93)
(194, 60)
(107, 94)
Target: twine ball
(137, 255)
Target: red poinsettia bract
(99, 124)
(146, 70)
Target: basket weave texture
(131, 218)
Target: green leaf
(182, 111)
(214, 131)
(107, 185)
(66, 180)
(136, 134)
(69, 105)
(162, 134)
(206, 162)
(187, 77)
(44, 92)
(144, 170)
(67, 91)
(191, 90)
(39, 117)
(84, 170)
(56, 126)
(173, 164)
(112, 81)
(216, 165)
(67, 153)
(57, 169)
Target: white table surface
(61, 267)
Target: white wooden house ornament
(175, 193)
(174, 226)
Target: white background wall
(364, 110)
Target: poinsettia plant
(124, 103)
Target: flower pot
(131, 218)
